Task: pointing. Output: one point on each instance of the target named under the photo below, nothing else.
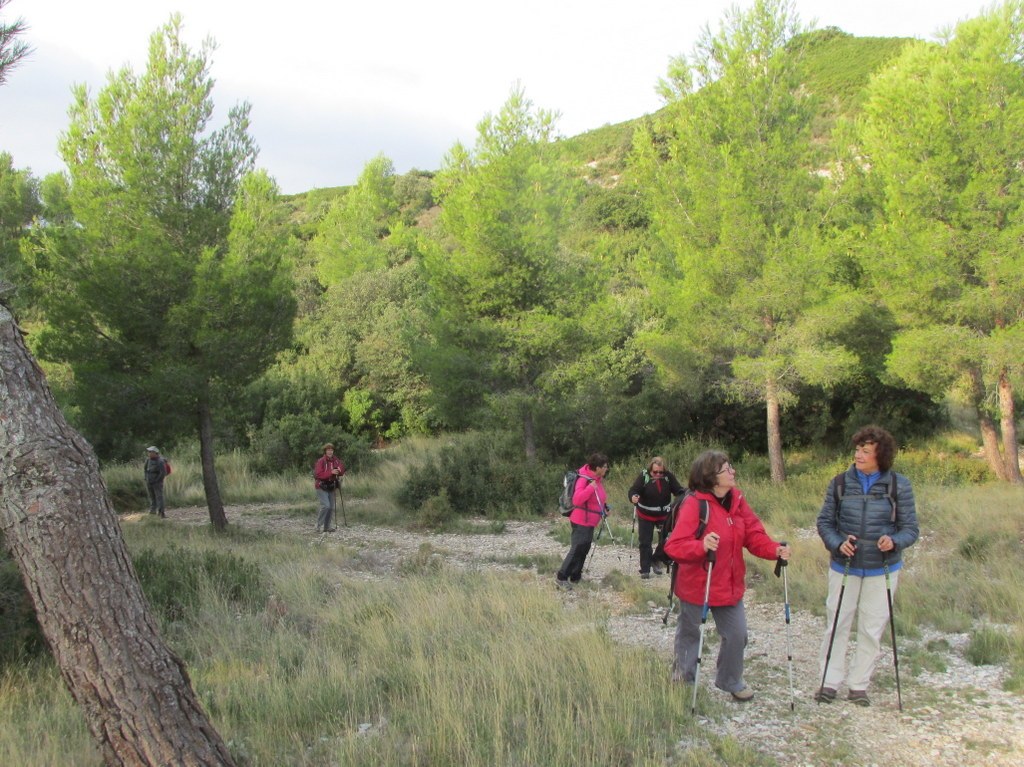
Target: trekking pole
(341, 495)
(703, 625)
(892, 627)
(673, 570)
(601, 527)
(781, 568)
(631, 531)
(835, 622)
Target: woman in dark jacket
(731, 527)
(651, 496)
(865, 524)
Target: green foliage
(515, 318)
(727, 172)
(172, 283)
(19, 204)
(838, 66)
(349, 239)
(478, 474)
(939, 134)
(176, 580)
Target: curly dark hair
(885, 445)
(596, 461)
(705, 469)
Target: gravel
(951, 717)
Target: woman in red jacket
(731, 527)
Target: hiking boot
(859, 698)
(658, 569)
(319, 529)
(645, 576)
(742, 696)
(563, 585)
(825, 695)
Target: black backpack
(666, 530)
(565, 504)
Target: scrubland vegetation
(298, 661)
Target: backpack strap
(705, 514)
(839, 488)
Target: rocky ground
(956, 717)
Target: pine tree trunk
(987, 427)
(58, 523)
(210, 485)
(1008, 426)
(529, 440)
(775, 460)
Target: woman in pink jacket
(589, 499)
(731, 527)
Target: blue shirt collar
(867, 480)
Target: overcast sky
(332, 83)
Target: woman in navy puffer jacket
(865, 533)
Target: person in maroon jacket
(731, 527)
(328, 473)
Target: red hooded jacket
(737, 528)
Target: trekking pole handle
(710, 556)
(780, 562)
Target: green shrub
(988, 647)
(174, 580)
(480, 474)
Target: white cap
(152, 449)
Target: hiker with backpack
(866, 521)
(651, 496)
(590, 504)
(711, 571)
(327, 475)
(154, 470)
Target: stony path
(957, 718)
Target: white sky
(332, 83)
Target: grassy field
(300, 662)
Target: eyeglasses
(727, 468)
(656, 473)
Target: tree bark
(775, 460)
(60, 527)
(1008, 425)
(529, 439)
(987, 427)
(211, 487)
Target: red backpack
(167, 467)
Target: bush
(295, 441)
(480, 474)
(174, 580)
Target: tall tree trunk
(57, 520)
(529, 439)
(1008, 425)
(210, 485)
(987, 427)
(775, 461)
